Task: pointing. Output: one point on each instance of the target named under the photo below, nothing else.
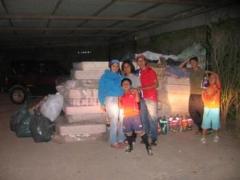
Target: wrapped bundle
(82, 93)
(82, 101)
(86, 117)
(86, 74)
(91, 65)
(73, 110)
(81, 129)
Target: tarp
(194, 50)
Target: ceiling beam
(65, 29)
(7, 12)
(138, 13)
(183, 15)
(181, 2)
(51, 36)
(98, 18)
(59, 2)
(99, 11)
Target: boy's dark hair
(126, 79)
(195, 58)
(130, 64)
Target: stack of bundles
(173, 92)
(82, 110)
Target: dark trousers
(196, 109)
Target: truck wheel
(18, 95)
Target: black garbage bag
(17, 117)
(23, 127)
(41, 128)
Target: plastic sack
(52, 107)
(17, 116)
(23, 127)
(152, 56)
(195, 50)
(171, 70)
(41, 128)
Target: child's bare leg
(204, 134)
(216, 137)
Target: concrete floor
(178, 156)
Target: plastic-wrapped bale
(81, 84)
(84, 130)
(90, 65)
(82, 97)
(82, 101)
(178, 91)
(86, 74)
(82, 93)
(88, 83)
(74, 110)
(85, 117)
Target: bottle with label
(164, 125)
(170, 119)
(180, 123)
(190, 123)
(205, 82)
(184, 123)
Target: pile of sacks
(37, 121)
(84, 118)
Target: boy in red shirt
(131, 117)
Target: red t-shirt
(148, 77)
(129, 105)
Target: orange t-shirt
(129, 105)
(211, 96)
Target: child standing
(211, 101)
(131, 117)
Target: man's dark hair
(195, 58)
(130, 64)
(126, 79)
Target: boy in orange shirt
(131, 116)
(211, 101)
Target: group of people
(129, 98)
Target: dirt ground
(178, 156)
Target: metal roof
(65, 21)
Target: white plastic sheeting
(195, 50)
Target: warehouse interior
(60, 36)
(76, 30)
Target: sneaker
(154, 142)
(122, 144)
(203, 140)
(216, 139)
(115, 146)
(149, 151)
(129, 148)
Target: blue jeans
(149, 117)
(116, 121)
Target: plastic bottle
(164, 125)
(205, 82)
(190, 123)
